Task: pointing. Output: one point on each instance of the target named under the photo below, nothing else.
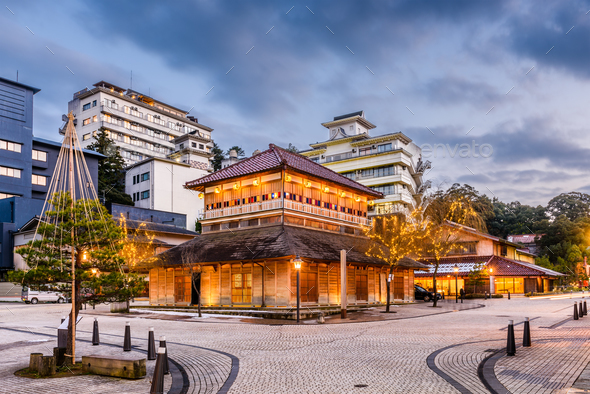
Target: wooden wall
(280, 284)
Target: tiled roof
(275, 158)
(501, 266)
(157, 227)
(272, 242)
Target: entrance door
(196, 288)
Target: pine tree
(82, 234)
(217, 157)
(111, 173)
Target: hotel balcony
(321, 213)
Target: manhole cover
(361, 385)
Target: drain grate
(361, 385)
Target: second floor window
(39, 180)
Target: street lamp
(456, 268)
(491, 270)
(297, 262)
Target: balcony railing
(288, 204)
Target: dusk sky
(514, 75)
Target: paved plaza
(419, 349)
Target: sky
(499, 88)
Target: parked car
(34, 296)
(421, 293)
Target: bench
(129, 368)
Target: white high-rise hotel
(389, 163)
(141, 126)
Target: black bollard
(508, 295)
(151, 345)
(585, 309)
(127, 340)
(95, 338)
(580, 310)
(163, 345)
(526, 336)
(510, 344)
(575, 310)
(158, 378)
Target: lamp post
(456, 268)
(297, 262)
(491, 270)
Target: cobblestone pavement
(388, 356)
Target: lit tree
(394, 237)
(81, 231)
(444, 221)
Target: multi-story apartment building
(26, 165)
(388, 163)
(158, 184)
(141, 126)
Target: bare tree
(191, 265)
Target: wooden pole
(343, 300)
(73, 251)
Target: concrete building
(158, 184)
(26, 165)
(388, 163)
(140, 125)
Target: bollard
(508, 295)
(526, 336)
(575, 310)
(163, 345)
(321, 319)
(151, 345)
(127, 340)
(59, 353)
(34, 362)
(95, 337)
(158, 378)
(510, 344)
(462, 296)
(580, 310)
(585, 309)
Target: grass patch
(62, 372)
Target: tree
(78, 240)
(480, 203)
(477, 274)
(217, 157)
(111, 170)
(394, 237)
(194, 270)
(444, 220)
(292, 148)
(573, 205)
(238, 150)
(515, 218)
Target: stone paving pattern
(388, 356)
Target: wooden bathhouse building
(261, 214)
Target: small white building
(389, 163)
(158, 183)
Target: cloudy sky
(512, 77)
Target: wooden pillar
(343, 297)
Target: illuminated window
(241, 288)
(10, 146)
(95, 118)
(6, 195)
(39, 180)
(86, 121)
(39, 155)
(10, 172)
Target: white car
(33, 297)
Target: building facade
(26, 165)
(388, 163)
(140, 126)
(263, 213)
(506, 267)
(158, 184)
